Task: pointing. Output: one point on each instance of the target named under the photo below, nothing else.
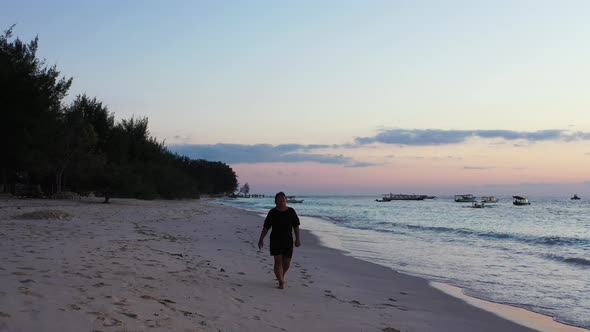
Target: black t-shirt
(281, 224)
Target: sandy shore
(194, 266)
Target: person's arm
(262, 235)
(297, 237)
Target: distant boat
(464, 198)
(403, 197)
(292, 199)
(575, 197)
(519, 200)
(489, 199)
(477, 205)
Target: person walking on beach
(283, 221)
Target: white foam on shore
(518, 315)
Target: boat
(382, 200)
(463, 198)
(292, 199)
(519, 200)
(489, 199)
(477, 205)
(403, 197)
(575, 197)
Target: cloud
(259, 153)
(359, 164)
(295, 153)
(424, 137)
(476, 167)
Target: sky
(341, 97)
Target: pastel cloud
(263, 153)
(476, 168)
(317, 153)
(427, 137)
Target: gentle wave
(543, 240)
(570, 260)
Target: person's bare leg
(286, 265)
(279, 270)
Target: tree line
(79, 146)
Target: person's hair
(279, 194)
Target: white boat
(519, 200)
(463, 198)
(489, 199)
(292, 199)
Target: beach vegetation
(244, 190)
(78, 146)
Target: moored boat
(477, 205)
(575, 197)
(489, 199)
(403, 197)
(292, 199)
(464, 198)
(519, 200)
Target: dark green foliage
(30, 104)
(79, 146)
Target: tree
(245, 189)
(30, 104)
(80, 146)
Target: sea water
(535, 257)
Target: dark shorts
(285, 251)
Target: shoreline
(518, 315)
(194, 266)
(521, 316)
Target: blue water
(536, 257)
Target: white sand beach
(132, 265)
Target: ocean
(536, 257)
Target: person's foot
(281, 285)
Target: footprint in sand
(128, 314)
(26, 281)
(27, 291)
(26, 268)
(100, 284)
(121, 302)
(328, 293)
(390, 329)
(109, 321)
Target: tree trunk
(4, 181)
(58, 177)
